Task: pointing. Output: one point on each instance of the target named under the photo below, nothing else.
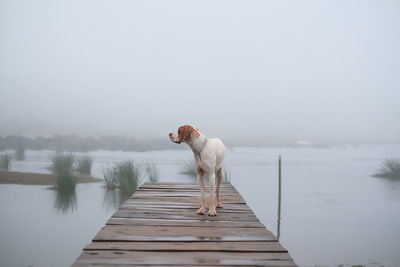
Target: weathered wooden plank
(177, 185)
(168, 233)
(224, 199)
(157, 265)
(189, 207)
(197, 265)
(123, 213)
(184, 258)
(180, 194)
(143, 205)
(182, 186)
(174, 210)
(183, 223)
(167, 230)
(162, 195)
(194, 189)
(188, 210)
(227, 246)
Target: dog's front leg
(219, 180)
(200, 181)
(212, 211)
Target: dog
(208, 156)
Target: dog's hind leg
(200, 181)
(219, 180)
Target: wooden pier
(158, 226)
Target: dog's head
(184, 133)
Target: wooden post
(279, 196)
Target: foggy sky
(309, 70)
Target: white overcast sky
(299, 69)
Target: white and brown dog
(208, 155)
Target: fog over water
(302, 70)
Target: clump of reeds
(125, 176)
(151, 171)
(84, 165)
(188, 168)
(110, 178)
(226, 176)
(20, 153)
(390, 168)
(62, 168)
(5, 162)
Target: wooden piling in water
(278, 224)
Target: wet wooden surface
(158, 226)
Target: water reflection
(392, 188)
(278, 223)
(65, 201)
(113, 198)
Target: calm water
(333, 211)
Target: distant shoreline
(75, 143)
(27, 178)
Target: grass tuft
(125, 176)
(188, 168)
(5, 162)
(84, 165)
(226, 176)
(390, 168)
(151, 171)
(62, 168)
(110, 178)
(20, 153)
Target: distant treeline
(125, 143)
(83, 144)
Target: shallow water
(333, 211)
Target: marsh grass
(129, 175)
(390, 168)
(62, 168)
(125, 176)
(226, 176)
(151, 171)
(110, 178)
(84, 165)
(188, 168)
(20, 153)
(5, 162)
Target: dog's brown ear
(195, 132)
(184, 132)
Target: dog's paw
(212, 211)
(201, 210)
(219, 205)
